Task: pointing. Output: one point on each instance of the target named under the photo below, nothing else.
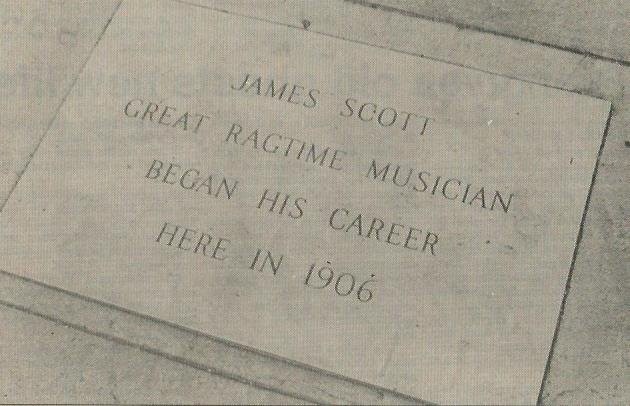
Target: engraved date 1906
(343, 284)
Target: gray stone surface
(597, 27)
(590, 363)
(191, 348)
(46, 362)
(43, 47)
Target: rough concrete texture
(45, 362)
(195, 349)
(596, 27)
(43, 47)
(591, 360)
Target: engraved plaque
(393, 219)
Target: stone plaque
(396, 220)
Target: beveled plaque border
(267, 371)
